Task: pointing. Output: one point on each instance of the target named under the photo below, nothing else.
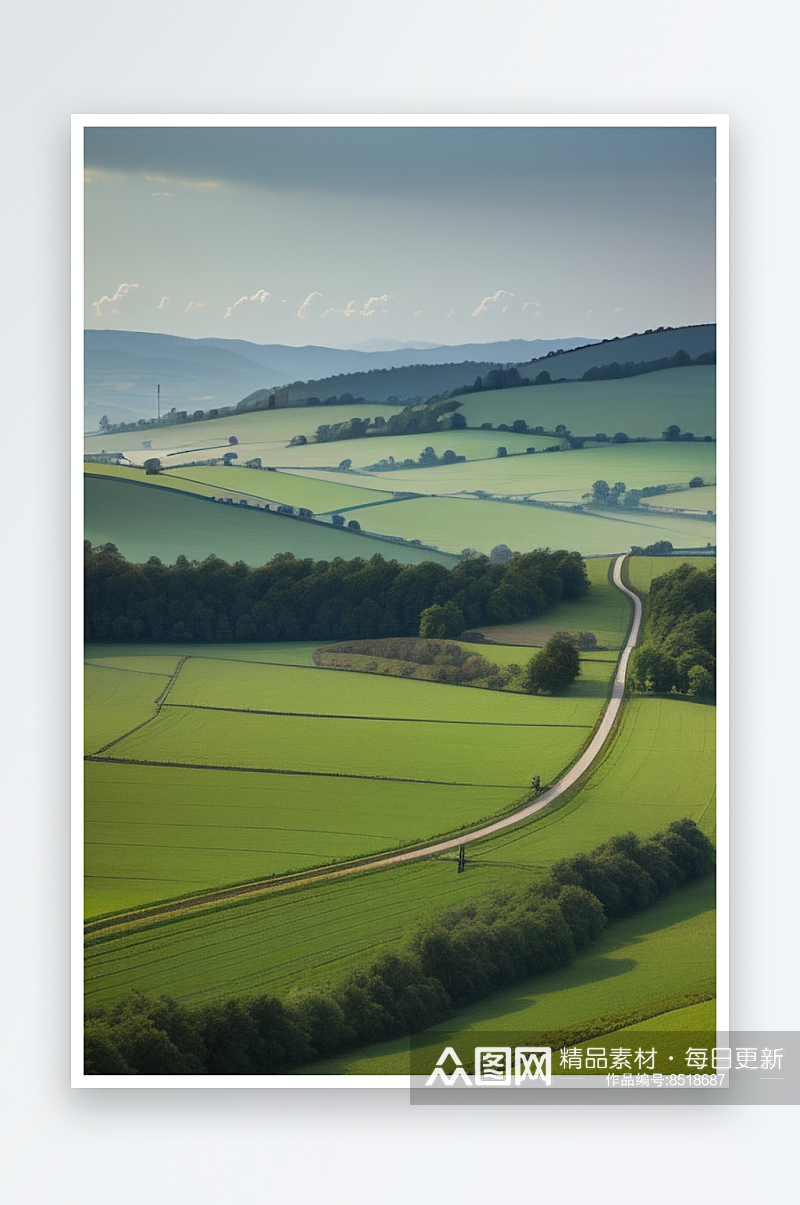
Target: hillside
(651, 345)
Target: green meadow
(115, 701)
(270, 427)
(639, 406)
(145, 522)
(559, 476)
(316, 934)
(318, 496)
(661, 960)
(452, 524)
(702, 498)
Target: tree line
(615, 371)
(449, 961)
(291, 599)
(678, 653)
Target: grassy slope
(115, 701)
(703, 498)
(275, 427)
(560, 476)
(319, 496)
(452, 524)
(146, 522)
(644, 405)
(665, 954)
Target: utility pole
(462, 859)
(159, 403)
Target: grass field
(558, 476)
(116, 700)
(702, 498)
(452, 524)
(318, 496)
(644, 405)
(275, 427)
(313, 935)
(665, 955)
(145, 522)
(154, 833)
(642, 569)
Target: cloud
(373, 307)
(311, 307)
(92, 174)
(195, 305)
(163, 301)
(502, 302)
(162, 194)
(617, 309)
(258, 298)
(122, 291)
(204, 185)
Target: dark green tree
(553, 669)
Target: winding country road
(379, 861)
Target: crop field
(314, 935)
(644, 405)
(154, 833)
(146, 522)
(557, 476)
(318, 496)
(452, 524)
(702, 498)
(664, 956)
(274, 427)
(642, 569)
(115, 700)
(151, 658)
(292, 690)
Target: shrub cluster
(290, 599)
(406, 657)
(450, 961)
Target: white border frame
(79, 122)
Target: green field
(663, 957)
(702, 498)
(155, 833)
(452, 524)
(558, 476)
(116, 700)
(313, 935)
(644, 405)
(270, 427)
(642, 569)
(145, 522)
(318, 496)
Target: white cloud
(162, 194)
(260, 297)
(617, 309)
(502, 302)
(122, 291)
(163, 301)
(311, 307)
(195, 305)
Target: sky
(343, 236)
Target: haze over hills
(123, 368)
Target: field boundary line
(577, 771)
(385, 719)
(159, 703)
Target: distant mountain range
(122, 369)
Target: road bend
(584, 763)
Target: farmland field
(314, 935)
(644, 405)
(318, 496)
(145, 522)
(642, 569)
(702, 498)
(154, 833)
(664, 956)
(452, 524)
(275, 427)
(116, 700)
(557, 476)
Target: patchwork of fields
(237, 762)
(145, 522)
